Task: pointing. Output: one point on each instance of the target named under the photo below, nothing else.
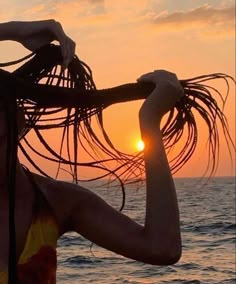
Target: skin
(77, 209)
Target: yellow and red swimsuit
(38, 261)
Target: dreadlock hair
(53, 98)
(44, 90)
(67, 99)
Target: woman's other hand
(33, 35)
(163, 98)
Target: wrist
(149, 119)
(9, 30)
(149, 127)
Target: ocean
(207, 213)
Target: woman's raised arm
(158, 241)
(162, 226)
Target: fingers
(159, 77)
(67, 44)
(156, 76)
(146, 77)
(36, 34)
(163, 78)
(70, 52)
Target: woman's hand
(167, 92)
(33, 35)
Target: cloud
(63, 10)
(37, 9)
(125, 8)
(210, 20)
(93, 17)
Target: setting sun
(140, 145)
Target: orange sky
(121, 40)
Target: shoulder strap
(39, 197)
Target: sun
(140, 145)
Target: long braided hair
(52, 98)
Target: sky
(121, 40)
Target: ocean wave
(218, 227)
(189, 266)
(227, 281)
(182, 281)
(82, 261)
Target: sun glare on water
(140, 145)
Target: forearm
(8, 31)
(162, 226)
(158, 241)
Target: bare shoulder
(59, 190)
(62, 197)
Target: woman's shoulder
(58, 190)
(62, 197)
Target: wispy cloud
(93, 17)
(206, 19)
(66, 11)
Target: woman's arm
(33, 35)
(158, 241)
(8, 31)
(162, 224)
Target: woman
(45, 208)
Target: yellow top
(38, 261)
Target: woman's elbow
(171, 257)
(164, 257)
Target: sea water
(208, 238)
